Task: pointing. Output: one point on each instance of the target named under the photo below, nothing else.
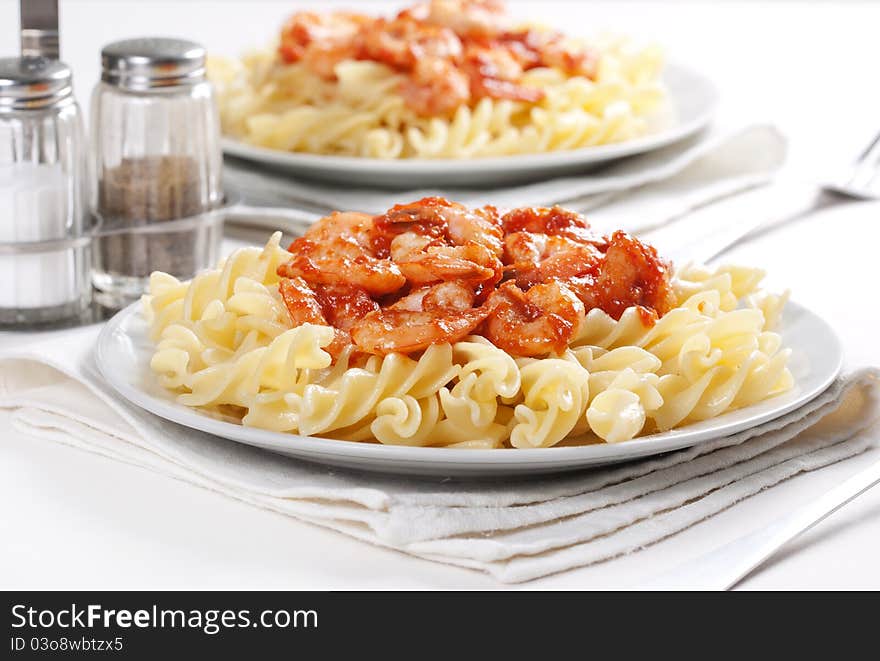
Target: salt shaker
(44, 226)
(157, 159)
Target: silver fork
(859, 181)
(862, 182)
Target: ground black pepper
(144, 191)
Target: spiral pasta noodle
(224, 343)
(361, 113)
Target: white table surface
(70, 519)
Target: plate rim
(514, 162)
(556, 458)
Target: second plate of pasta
(692, 102)
(125, 349)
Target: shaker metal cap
(152, 62)
(33, 82)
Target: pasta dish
(437, 324)
(441, 79)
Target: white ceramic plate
(123, 355)
(693, 100)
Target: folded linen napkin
(516, 529)
(670, 181)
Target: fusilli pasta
(224, 341)
(291, 108)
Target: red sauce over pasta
(450, 52)
(434, 271)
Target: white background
(72, 520)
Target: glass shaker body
(157, 160)
(44, 222)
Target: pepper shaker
(157, 158)
(44, 241)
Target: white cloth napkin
(660, 186)
(516, 529)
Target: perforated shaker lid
(151, 62)
(33, 82)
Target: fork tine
(875, 144)
(865, 170)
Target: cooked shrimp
(423, 260)
(436, 87)
(450, 51)
(494, 72)
(631, 274)
(554, 221)
(439, 218)
(338, 249)
(434, 239)
(349, 227)
(322, 58)
(433, 315)
(521, 46)
(441, 297)
(307, 35)
(427, 273)
(303, 308)
(534, 323)
(343, 306)
(403, 41)
(424, 217)
(470, 18)
(549, 48)
(339, 306)
(572, 60)
(481, 225)
(529, 248)
(535, 258)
